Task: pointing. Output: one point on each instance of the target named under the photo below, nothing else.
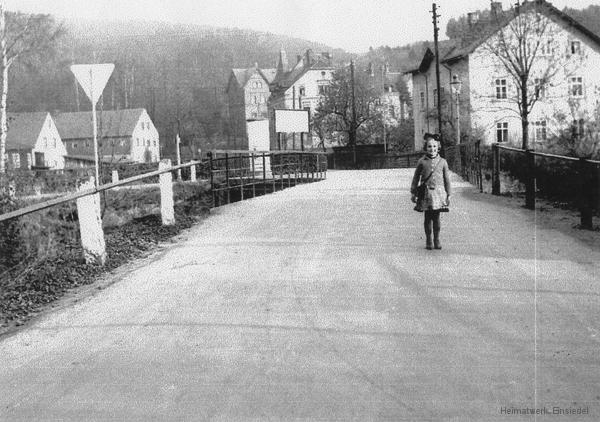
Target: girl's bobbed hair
(430, 136)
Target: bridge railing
(239, 174)
(572, 181)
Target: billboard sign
(291, 121)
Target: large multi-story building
(299, 87)
(563, 79)
(247, 96)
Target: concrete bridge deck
(321, 303)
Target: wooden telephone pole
(437, 69)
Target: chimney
(470, 19)
(496, 8)
(307, 58)
(282, 63)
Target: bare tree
(349, 106)
(20, 36)
(524, 46)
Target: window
(422, 100)
(74, 145)
(16, 160)
(576, 86)
(301, 91)
(578, 129)
(546, 48)
(54, 142)
(501, 89)
(575, 47)
(539, 130)
(540, 87)
(502, 132)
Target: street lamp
(456, 85)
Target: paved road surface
(320, 303)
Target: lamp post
(456, 85)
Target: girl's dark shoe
(437, 244)
(428, 243)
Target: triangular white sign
(93, 78)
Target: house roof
(541, 6)
(307, 63)
(24, 129)
(111, 123)
(243, 75)
(268, 74)
(445, 48)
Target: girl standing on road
(431, 189)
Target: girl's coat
(438, 184)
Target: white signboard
(258, 140)
(291, 121)
(93, 78)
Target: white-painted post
(90, 226)
(167, 211)
(115, 176)
(192, 173)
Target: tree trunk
(3, 94)
(525, 130)
(524, 114)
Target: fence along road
(320, 303)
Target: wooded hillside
(176, 72)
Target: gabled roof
(307, 63)
(242, 76)
(541, 6)
(111, 123)
(268, 74)
(445, 48)
(24, 129)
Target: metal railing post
(253, 176)
(227, 177)
(586, 192)
(496, 170)
(212, 178)
(530, 182)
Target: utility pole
(383, 69)
(437, 70)
(352, 133)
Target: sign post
(93, 79)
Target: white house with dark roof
(488, 98)
(33, 141)
(123, 136)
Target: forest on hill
(177, 72)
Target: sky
(354, 25)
